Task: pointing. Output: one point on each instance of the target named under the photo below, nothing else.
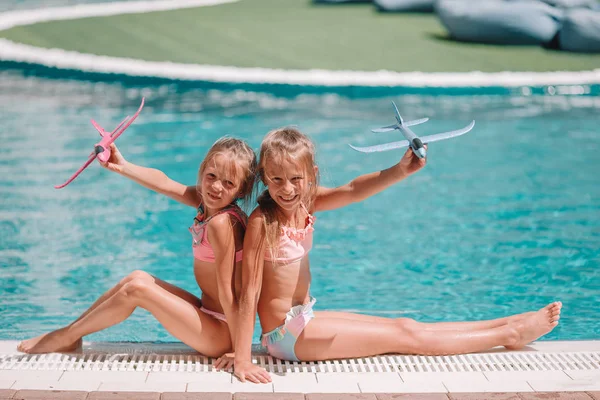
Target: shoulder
(220, 224)
(323, 191)
(256, 216)
(256, 221)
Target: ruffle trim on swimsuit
(295, 322)
(299, 235)
(274, 336)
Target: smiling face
(287, 183)
(220, 181)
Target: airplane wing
(91, 158)
(385, 129)
(382, 147)
(101, 130)
(124, 125)
(416, 122)
(447, 135)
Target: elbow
(353, 194)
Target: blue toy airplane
(412, 140)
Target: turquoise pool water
(502, 220)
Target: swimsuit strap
(232, 209)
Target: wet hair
(291, 145)
(241, 155)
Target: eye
(276, 179)
(229, 184)
(211, 176)
(297, 178)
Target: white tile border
(577, 373)
(57, 58)
(6, 384)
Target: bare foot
(520, 317)
(55, 341)
(536, 324)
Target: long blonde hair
(243, 156)
(292, 145)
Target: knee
(136, 275)
(135, 290)
(409, 328)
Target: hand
(245, 370)
(410, 163)
(116, 162)
(225, 362)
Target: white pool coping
(146, 367)
(71, 60)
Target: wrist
(400, 172)
(240, 359)
(237, 363)
(125, 169)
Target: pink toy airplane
(102, 149)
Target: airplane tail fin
(385, 129)
(416, 122)
(398, 116)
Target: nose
(217, 186)
(421, 153)
(288, 187)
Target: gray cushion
(341, 1)
(500, 22)
(405, 5)
(572, 3)
(580, 31)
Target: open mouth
(212, 196)
(288, 199)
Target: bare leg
(440, 326)
(27, 345)
(184, 294)
(330, 338)
(182, 319)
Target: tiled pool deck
(545, 370)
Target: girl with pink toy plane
(207, 324)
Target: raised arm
(252, 270)
(152, 179)
(221, 237)
(367, 185)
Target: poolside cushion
(341, 1)
(580, 31)
(405, 5)
(572, 3)
(500, 22)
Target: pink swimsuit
(201, 247)
(293, 245)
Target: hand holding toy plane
(412, 140)
(102, 149)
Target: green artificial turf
(293, 34)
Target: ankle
(69, 335)
(512, 336)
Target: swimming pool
(502, 220)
